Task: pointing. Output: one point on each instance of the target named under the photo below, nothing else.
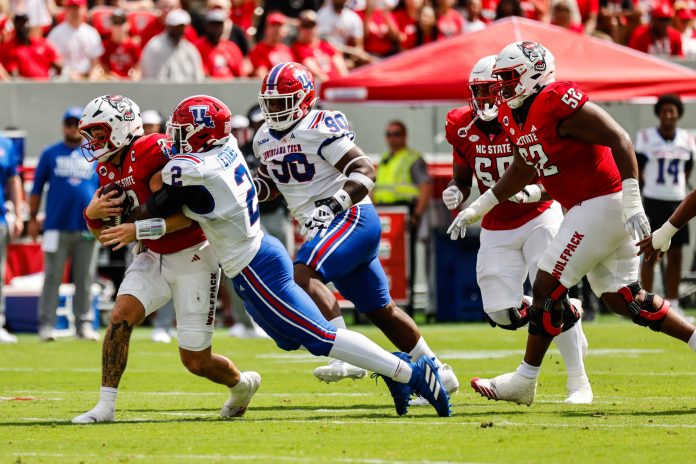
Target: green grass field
(644, 409)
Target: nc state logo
(123, 105)
(534, 53)
(506, 121)
(462, 132)
(474, 138)
(102, 170)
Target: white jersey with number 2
(301, 161)
(225, 203)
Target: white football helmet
(118, 116)
(522, 69)
(481, 86)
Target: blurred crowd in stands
(193, 40)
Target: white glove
(530, 194)
(318, 221)
(452, 197)
(635, 220)
(662, 237)
(471, 214)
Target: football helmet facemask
(287, 95)
(481, 85)
(522, 69)
(119, 119)
(199, 123)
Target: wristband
(150, 229)
(94, 224)
(341, 201)
(631, 197)
(484, 203)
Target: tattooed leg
(127, 313)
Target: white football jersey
(229, 212)
(664, 175)
(301, 162)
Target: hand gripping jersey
(301, 162)
(571, 171)
(143, 158)
(488, 159)
(223, 202)
(664, 177)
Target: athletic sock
(692, 341)
(569, 343)
(528, 371)
(338, 322)
(422, 349)
(358, 350)
(107, 397)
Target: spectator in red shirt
(222, 59)
(561, 15)
(449, 21)
(319, 56)
(271, 50)
(28, 57)
(381, 34)
(156, 26)
(121, 56)
(657, 37)
(406, 16)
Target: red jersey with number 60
(488, 159)
(143, 158)
(571, 171)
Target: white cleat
(47, 334)
(6, 337)
(579, 390)
(96, 415)
(160, 335)
(337, 370)
(449, 381)
(87, 332)
(507, 387)
(240, 395)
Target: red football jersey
(571, 171)
(488, 159)
(147, 155)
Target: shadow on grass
(651, 413)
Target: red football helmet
(198, 123)
(287, 95)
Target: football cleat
(337, 370)
(400, 392)
(579, 390)
(426, 382)
(449, 381)
(95, 415)
(240, 395)
(507, 387)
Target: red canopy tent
(440, 71)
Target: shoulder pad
(321, 124)
(457, 119)
(182, 170)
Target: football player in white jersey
(309, 157)
(665, 157)
(515, 233)
(210, 182)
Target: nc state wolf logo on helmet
(535, 53)
(122, 105)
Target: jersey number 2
(241, 175)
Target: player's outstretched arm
(266, 189)
(658, 243)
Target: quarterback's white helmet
(118, 116)
(481, 86)
(522, 69)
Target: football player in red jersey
(586, 162)
(180, 265)
(516, 232)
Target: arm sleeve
(166, 201)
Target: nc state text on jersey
(503, 148)
(282, 150)
(526, 139)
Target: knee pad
(551, 321)
(516, 318)
(644, 313)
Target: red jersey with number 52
(571, 171)
(143, 158)
(488, 159)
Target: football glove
(318, 222)
(465, 218)
(635, 220)
(530, 194)
(452, 197)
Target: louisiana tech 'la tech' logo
(201, 116)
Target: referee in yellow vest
(403, 179)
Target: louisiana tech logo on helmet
(201, 116)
